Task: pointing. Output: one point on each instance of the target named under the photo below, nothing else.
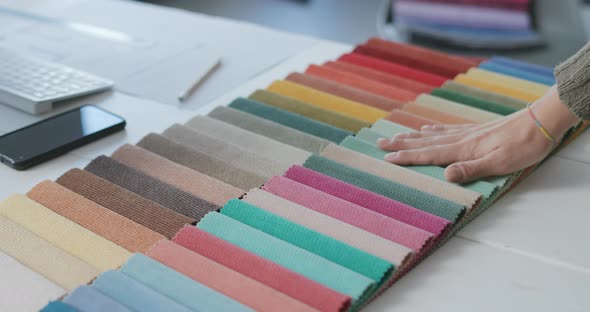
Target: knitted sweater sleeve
(573, 82)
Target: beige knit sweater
(573, 82)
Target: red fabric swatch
(394, 69)
(388, 79)
(262, 270)
(355, 81)
(409, 120)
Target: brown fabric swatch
(409, 120)
(124, 232)
(126, 203)
(186, 179)
(213, 167)
(150, 187)
(435, 115)
(345, 91)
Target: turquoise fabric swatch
(88, 299)
(177, 286)
(58, 306)
(369, 135)
(290, 256)
(134, 295)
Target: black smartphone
(47, 139)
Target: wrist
(553, 115)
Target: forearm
(573, 82)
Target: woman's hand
(495, 148)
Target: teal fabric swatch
(350, 257)
(290, 256)
(484, 188)
(369, 135)
(134, 295)
(402, 193)
(58, 306)
(88, 299)
(290, 120)
(177, 286)
(473, 101)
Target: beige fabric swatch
(63, 233)
(455, 108)
(41, 256)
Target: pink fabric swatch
(226, 281)
(262, 270)
(366, 219)
(375, 202)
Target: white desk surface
(529, 252)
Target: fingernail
(455, 174)
(390, 156)
(426, 127)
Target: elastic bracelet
(540, 126)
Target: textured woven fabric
(406, 237)
(63, 233)
(416, 57)
(292, 257)
(517, 73)
(528, 67)
(326, 116)
(393, 68)
(58, 306)
(344, 190)
(181, 177)
(325, 224)
(369, 136)
(401, 175)
(124, 232)
(176, 286)
(88, 299)
(473, 101)
(200, 162)
(150, 187)
(455, 108)
(258, 268)
(290, 119)
(133, 294)
(231, 283)
(43, 257)
(324, 246)
(391, 92)
(504, 80)
(495, 87)
(226, 150)
(270, 129)
(388, 128)
(436, 115)
(327, 101)
(345, 91)
(484, 95)
(126, 203)
(409, 120)
(255, 143)
(380, 76)
(370, 149)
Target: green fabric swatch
(484, 188)
(369, 135)
(359, 261)
(287, 255)
(402, 193)
(484, 95)
(473, 101)
(335, 119)
(389, 129)
(290, 120)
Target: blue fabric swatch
(510, 71)
(533, 68)
(58, 306)
(88, 299)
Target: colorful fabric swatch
(88, 299)
(410, 120)
(517, 73)
(269, 129)
(317, 113)
(291, 119)
(63, 233)
(455, 108)
(436, 115)
(508, 81)
(58, 306)
(484, 95)
(474, 102)
(292, 257)
(260, 269)
(495, 87)
(122, 231)
(126, 203)
(532, 68)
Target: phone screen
(50, 134)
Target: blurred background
(540, 31)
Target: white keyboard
(32, 85)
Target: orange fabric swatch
(355, 81)
(409, 120)
(435, 115)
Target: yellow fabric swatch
(63, 233)
(496, 88)
(508, 81)
(455, 108)
(327, 101)
(41, 256)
